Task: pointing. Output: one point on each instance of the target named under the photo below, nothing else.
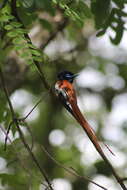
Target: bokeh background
(85, 37)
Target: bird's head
(66, 75)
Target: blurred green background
(85, 37)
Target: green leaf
(123, 14)
(27, 3)
(16, 32)
(5, 18)
(11, 34)
(35, 52)
(45, 5)
(101, 11)
(30, 62)
(25, 54)
(6, 10)
(8, 27)
(27, 19)
(32, 46)
(18, 40)
(83, 10)
(20, 31)
(71, 12)
(117, 38)
(119, 32)
(36, 58)
(100, 33)
(18, 47)
(73, 15)
(55, 1)
(16, 24)
(119, 3)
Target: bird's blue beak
(75, 75)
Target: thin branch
(6, 137)
(25, 117)
(71, 171)
(6, 93)
(19, 158)
(15, 120)
(32, 155)
(36, 63)
(60, 27)
(22, 120)
(124, 179)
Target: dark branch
(18, 157)
(37, 64)
(15, 121)
(71, 171)
(52, 35)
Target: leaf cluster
(15, 33)
(110, 14)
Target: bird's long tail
(85, 125)
(89, 131)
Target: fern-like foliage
(14, 33)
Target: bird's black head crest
(66, 75)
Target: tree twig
(25, 117)
(6, 137)
(19, 158)
(36, 63)
(52, 35)
(69, 170)
(15, 120)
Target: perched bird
(65, 91)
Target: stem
(15, 120)
(71, 171)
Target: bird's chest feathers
(64, 88)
